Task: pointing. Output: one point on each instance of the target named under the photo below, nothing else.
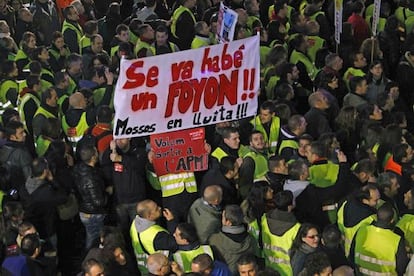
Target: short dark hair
(32, 80)
(227, 131)
(268, 105)
(39, 165)
(318, 148)
(29, 244)
(399, 152)
(47, 94)
(354, 82)
(104, 114)
(90, 27)
(188, 232)
(227, 163)
(87, 152)
(204, 261)
(316, 263)
(331, 236)
(89, 263)
(247, 259)
(274, 161)
(295, 169)
(283, 200)
(234, 214)
(121, 28)
(12, 127)
(365, 165)
(385, 213)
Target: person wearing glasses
(306, 242)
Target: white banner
(338, 20)
(187, 89)
(375, 16)
(226, 24)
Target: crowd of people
(319, 182)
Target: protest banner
(226, 24)
(187, 89)
(179, 151)
(375, 16)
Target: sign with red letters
(187, 89)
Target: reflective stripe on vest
(377, 258)
(141, 45)
(177, 13)
(277, 257)
(174, 184)
(27, 97)
(44, 112)
(293, 144)
(147, 240)
(75, 133)
(406, 224)
(84, 42)
(5, 86)
(184, 258)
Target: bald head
(158, 264)
(343, 270)
(213, 194)
(77, 100)
(144, 207)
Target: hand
(115, 157)
(151, 156)
(176, 268)
(207, 147)
(341, 157)
(109, 76)
(167, 214)
(112, 146)
(239, 161)
(49, 175)
(69, 160)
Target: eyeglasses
(313, 237)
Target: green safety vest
(403, 14)
(352, 72)
(21, 55)
(56, 54)
(75, 133)
(5, 87)
(27, 97)
(184, 258)
(154, 51)
(198, 43)
(174, 183)
(409, 24)
(270, 87)
(40, 110)
(406, 224)
(276, 248)
(315, 43)
(323, 175)
(146, 240)
(141, 45)
(76, 28)
(251, 19)
(11, 57)
(72, 86)
(133, 38)
(271, 10)
(297, 57)
(1, 201)
(177, 13)
(114, 50)
(349, 232)
(84, 42)
(375, 250)
(42, 145)
(260, 161)
(274, 131)
(254, 231)
(219, 153)
(315, 15)
(289, 143)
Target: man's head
(231, 137)
(318, 100)
(229, 167)
(78, 101)
(201, 28)
(202, 264)
(318, 264)
(158, 264)
(297, 124)
(146, 32)
(213, 195)
(298, 170)
(359, 61)
(369, 195)
(402, 153)
(364, 170)
(316, 151)
(89, 154)
(385, 214)
(90, 28)
(277, 164)
(232, 215)
(104, 114)
(40, 167)
(71, 13)
(149, 210)
(49, 97)
(331, 236)
(93, 267)
(161, 36)
(15, 132)
(284, 200)
(267, 111)
(388, 183)
(74, 64)
(252, 7)
(358, 85)
(122, 31)
(30, 246)
(256, 140)
(409, 199)
(25, 15)
(185, 233)
(334, 61)
(247, 265)
(97, 43)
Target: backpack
(89, 139)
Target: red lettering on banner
(190, 92)
(227, 61)
(136, 79)
(142, 101)
(183, 70)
